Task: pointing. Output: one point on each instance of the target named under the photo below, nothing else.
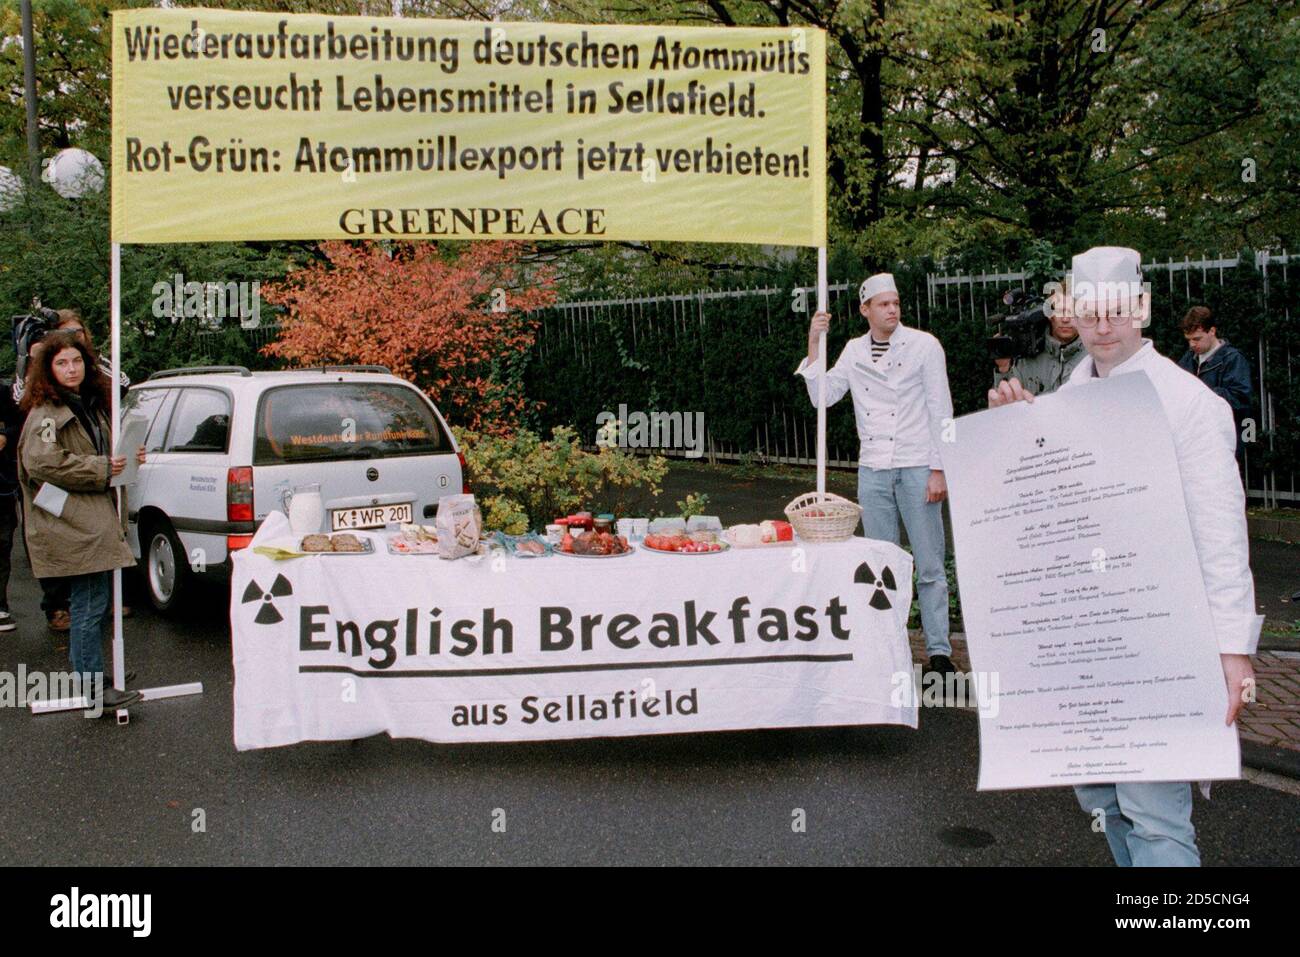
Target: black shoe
(942, 665)
(112, 699)
(7, 622)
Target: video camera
(1021, 331)
(29, 329)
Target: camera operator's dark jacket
(1047, 371)
(11, 426)
(1226, 372)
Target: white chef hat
(875, 285)
(1108, 279)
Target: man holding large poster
(1149, 823)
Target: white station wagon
(227, 446)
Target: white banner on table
(507, 649)
(1081, 592)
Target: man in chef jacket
(1150, 824)
(899, 381)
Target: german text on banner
(257, 126)
(332, 647)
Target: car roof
(260, 380)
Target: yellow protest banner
(257, 126)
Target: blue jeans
(886, 494)
(1148, 824)
(89, 608)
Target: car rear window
(331, 421)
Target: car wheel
(166, 569)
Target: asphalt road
(79, 791)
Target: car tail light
(239, 495)
(464, 473)
(235, 542)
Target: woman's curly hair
(43, 388)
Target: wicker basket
(823, 517)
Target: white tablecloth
(336, 646)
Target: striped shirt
(878, 349)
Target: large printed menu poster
(1082, 594)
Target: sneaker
(7, 622)
(60, 621)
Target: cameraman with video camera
(1040, 346)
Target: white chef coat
(1205, 441)
(902, 403)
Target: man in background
(1219, 365)
(1062, 350)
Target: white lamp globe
(11, 189)
(73, 173)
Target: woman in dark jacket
(66, 443)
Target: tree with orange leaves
(458, 326)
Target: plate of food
(764, 535)
(691, 543)
(594, 545)
(341, 543)
(531, 545)
(414, 540)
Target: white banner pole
(823, 299)
(115, 292)
(115, 411)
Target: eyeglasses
(1088, 320)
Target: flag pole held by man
(898, 379)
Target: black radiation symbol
(267, 614)
(865, 576)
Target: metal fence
(788, 434)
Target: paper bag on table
(459, 524)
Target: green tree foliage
(964, 129)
